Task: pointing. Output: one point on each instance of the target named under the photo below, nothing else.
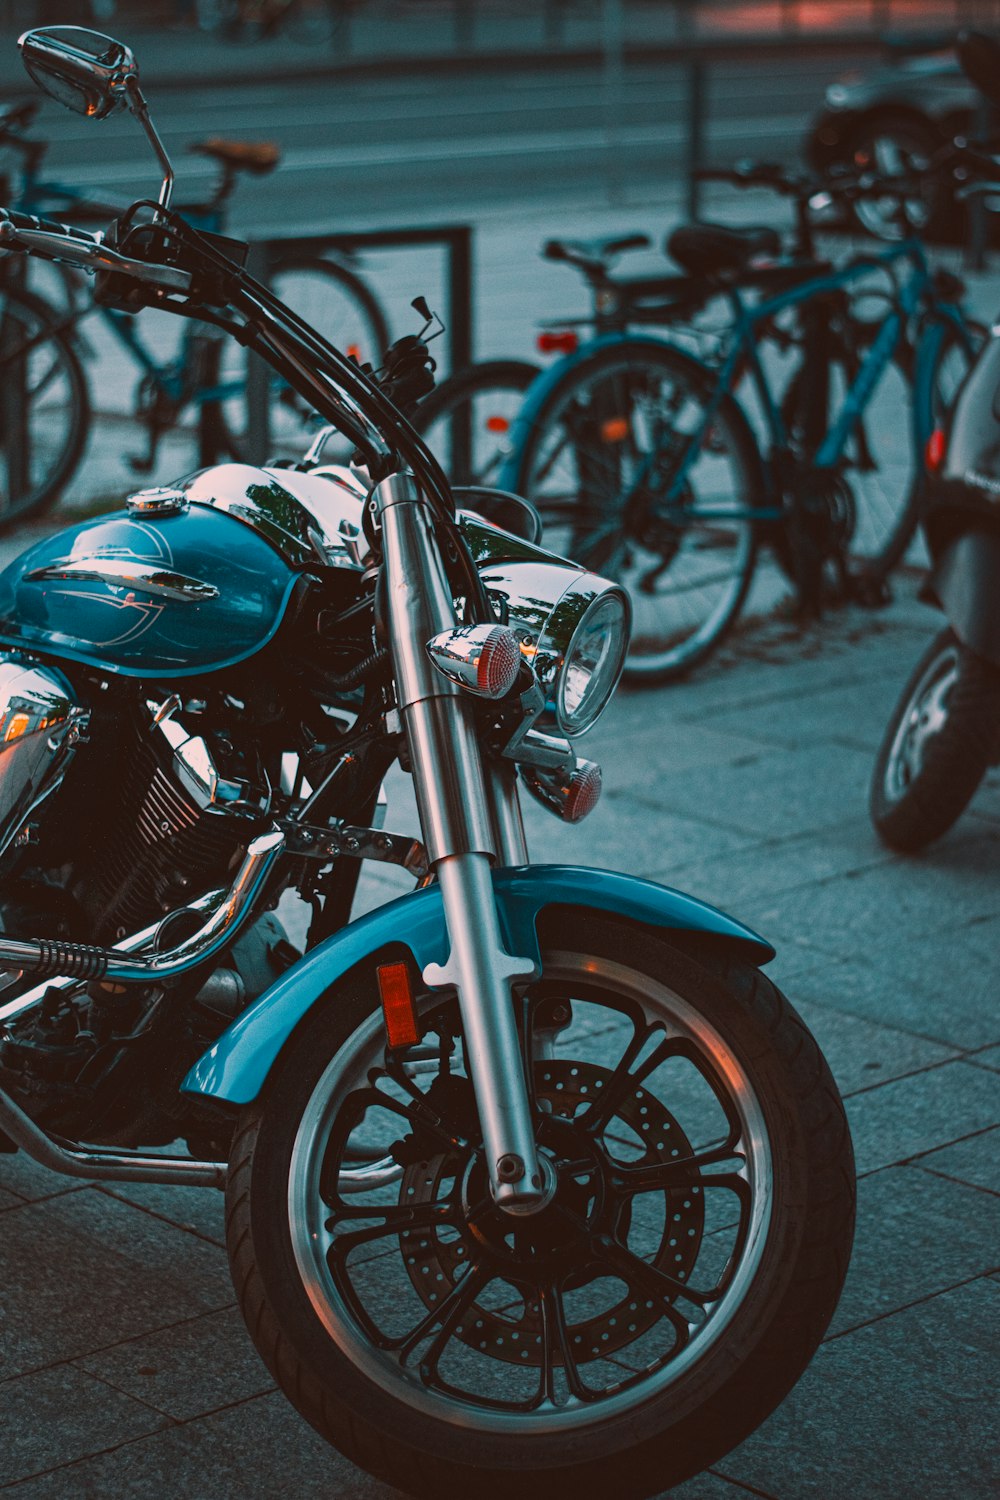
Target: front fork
(469, 817)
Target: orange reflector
(564, 342)
(17, 726)
(354, 352)
(497, 424)
(397, 1005)
(615, 429)
(934, 452)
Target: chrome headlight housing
(572, 626)
(581, 651)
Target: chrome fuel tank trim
(143, 577)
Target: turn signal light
(570, 794)
(398, 1009)
(934, 452)
(558, 341)
(485, 659)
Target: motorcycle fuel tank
(171, 592)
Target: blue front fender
(236, 1068)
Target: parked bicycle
(42, 347)
(642, 459)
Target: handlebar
(54, 241)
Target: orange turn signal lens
(397, 1005)
(615, 429)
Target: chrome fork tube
(454, 801)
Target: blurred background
(511, 120)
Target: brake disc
(511, 1331)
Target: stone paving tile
(909, 1116)
(938, 987)
(108, 1272)
(262, 1447)
(975, 1160)
(769, 867)
(840, 1434)
(187, 1370)
(706, 1487)
(202, 1211)
(888, 903)
(20, 1175)
(902, 1211)
(861, 1053)
(989, 1058)
(54, 1416)
(621, 834)
(9, 1200)
(854, 713)
(781, 792)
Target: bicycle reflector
(484, 659)
(558, 341)
(570, 794)
(401, 1027)
(935, 450)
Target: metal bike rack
(454, 239)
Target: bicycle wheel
(875, 491)
(600, 464)
(486, 398)
(336, 302)
(44, 406)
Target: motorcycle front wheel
(624, 1337)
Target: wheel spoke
(686, 1172)
(396, 1219)
(658, 1285)
(555, 1339)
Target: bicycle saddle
(257, 157)
(706, 249)
(593, 254)
(19, 116)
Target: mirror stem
(140, 109)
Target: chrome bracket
(342, 840)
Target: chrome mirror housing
(94, 75)
(85, 70)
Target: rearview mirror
(84, 70)
(979, 58)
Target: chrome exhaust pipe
(103, 1166)
(81, 961)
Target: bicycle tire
(341, 307)
(611, 544)
(491, 392)
(56, 414)
(879, 541)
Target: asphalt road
(378, 152)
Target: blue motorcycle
(534, 1181)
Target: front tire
(943, 734)
(629, 1334)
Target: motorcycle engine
(120, 829)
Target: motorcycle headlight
(593, 659)
(572, 626)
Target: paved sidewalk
(126, 1371)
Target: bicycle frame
(913, 296)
